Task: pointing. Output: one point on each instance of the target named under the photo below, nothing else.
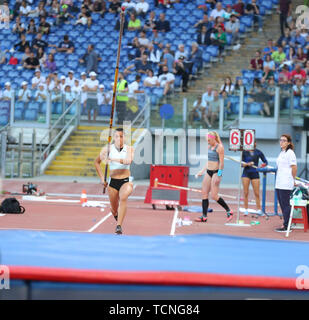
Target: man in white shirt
(142, 8)
(7, 93)
(37, 79)
(62, 84)
(207, 97)
(24, 93)
(82, 84)
(166, 80)
(91, 87)
(181, 52)
(70, 78)
(218, 12)
(151, 80)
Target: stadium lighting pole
(122, 16)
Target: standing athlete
(119, 186)
(214, 168)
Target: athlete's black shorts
(212, 172)
(117, 183)
(250, 175)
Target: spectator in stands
(181, 52)
(300, 56)
(84, 17)
(203, 23)
(217, 12)
(228, 12)
(284, 76)
(24, 9)
(142, 8)
(62, 83)
(22, 44)
(214, 108)
(238, 84)
(267, 75)
(68, 95)
(212, 3)
(76, 89)
(297, 39)
(2, 56)
(285, 10)
(269, 63)
(150, 23)
(290, 57)
(156, 37)
(203, 37)
(8, 91)
(66, 46)
(91, 87)
(114, 7)
(102, 99)
(219, 22)
(166, 80)
(219, 39)
(142, 39)
(271, 87)
(232, 27)
(90, 59)
(194, 63)
(298, 73)
(50, 83)
(167, 60)
(31, 29)
(39, 11)
(41, 56)
(129, 5)
(198, 113)
(38, 43)
(259, 94)
(32, 62)
(253, 10)
(37, 79)
(227, 87)
(298, 88)
(154, 54)
(180, 70)
(24, 94)
(207, 97)
(285, 39)
(54, 10)
(44, 27)
(70, 80)
(257, 62)
(50, 63)
(141, 66)
(239, 8)
(18, 26)
(40, 94)
(64, 15)
(306, 69)
(99, 6)
(151, 80)
(278, 56)
(162, 24)
(134, 23)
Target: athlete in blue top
(251, 158)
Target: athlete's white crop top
(115, 154)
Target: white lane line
(42, 229)
(173, 228)
(100, 222)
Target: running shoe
(116, 217)
(201, 219)
(282, 229)
(229, 215)
(118, 230)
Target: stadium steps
(76, 157)
(235, 61)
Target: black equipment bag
(11, 205)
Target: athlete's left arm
(263, 158)
(220, 151)
(130, 156)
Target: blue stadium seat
(4, 120)
(31, 115)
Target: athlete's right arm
(97, 163)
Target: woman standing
(212, 179)
(286, 173)
(250, 174)
(119, 186)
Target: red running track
(141, 219)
